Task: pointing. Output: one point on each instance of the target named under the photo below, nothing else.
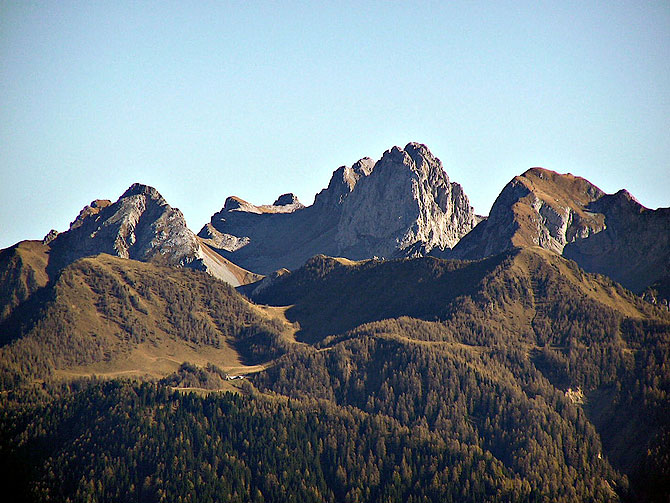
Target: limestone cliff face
(608, 234)
(402, 205)
(406, 200)
(342, 183)
(539, 208)
(142, 226)
(634, 246)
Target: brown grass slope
(122, 317)
(22, 273)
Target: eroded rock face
(402, 205)
(140, 225)
(342, 182)
(634, 246)
(406, 200)
(539, 208)
(609, 234)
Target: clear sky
(205, 100)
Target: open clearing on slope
(159, 359)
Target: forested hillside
(515, 378)
(101, 309)
(124, 442)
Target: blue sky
(205, 100)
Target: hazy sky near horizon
(203, 100)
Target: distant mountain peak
(286, 199)
(89, 211)
(139, 189)
(611, 234)
(403, 204)
(343, 181)
(407, 200)
(140, 225)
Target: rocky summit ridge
(140, 225)
(402, 205)
(611, 234)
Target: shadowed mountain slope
(527, 317)
(22, 273)
(331, 295)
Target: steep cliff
(402, 205)
(609, 234)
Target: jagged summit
(140, 225)
(89, 210)
(286, 199)
(343, 181)
(139, 189)
(401, 204)
(406, 200)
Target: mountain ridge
(612, 234)
(402, 204)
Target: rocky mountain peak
(406, 199)
(51, 235)
(89, 211)
(609, 234)
(424, 160)
(139, 189)
(402, 205)
(538, 208)
(621, 201)
(139, 225)
(234, 203)
(363, 167)
(343, 181)
(286, 199)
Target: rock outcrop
(538, 208)
(402, 205)
(608, 234)
(142, 226)
(634, 246)
(406, 201)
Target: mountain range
(383, 344)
